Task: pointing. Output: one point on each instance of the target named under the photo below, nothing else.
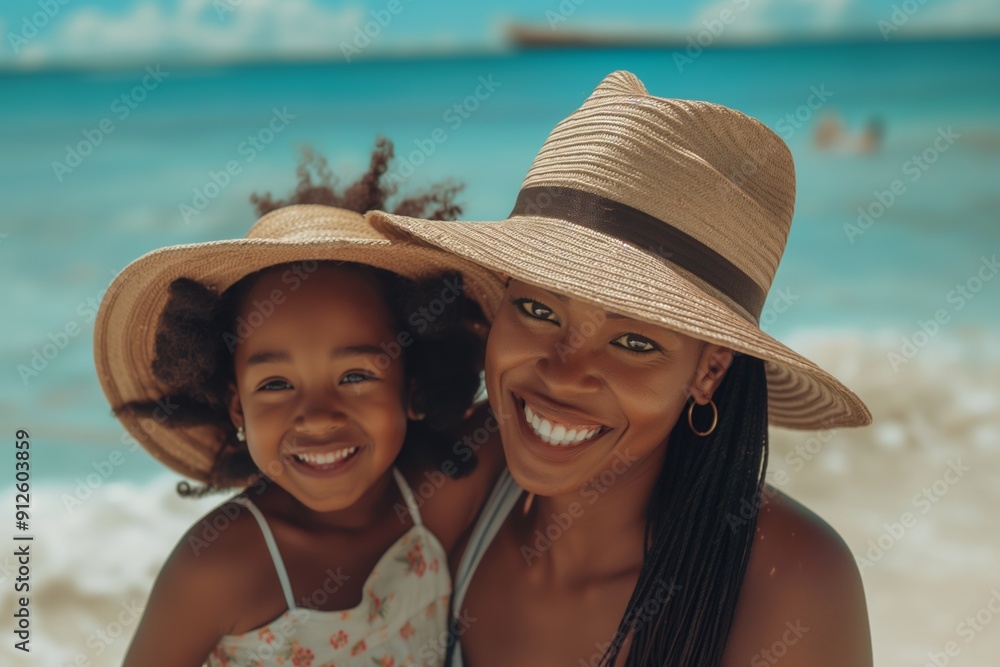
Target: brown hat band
(644, 231)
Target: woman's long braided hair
(700, 526)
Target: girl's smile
(324, 462)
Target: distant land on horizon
(539, 36)
(519, 38)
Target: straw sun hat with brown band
(125, 329)
(669, 211)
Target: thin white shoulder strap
(272, 547)
(494, 512)
(501, 501)
(411, 502)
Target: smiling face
(579, 389)
(324, 409)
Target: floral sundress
(401, 621)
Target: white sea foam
(941, 408)
(92, 566)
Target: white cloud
(739, 20)
(195, 29)
(959, 14)
(761, 19)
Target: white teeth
(326, 458)
(557, 434)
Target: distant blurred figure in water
(830, 135)
(871, 137)
(829, 131)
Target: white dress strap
(501, 501)
(498, 505)
(411, 502)
(272, 547)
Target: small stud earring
(241, 434)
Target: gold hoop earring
(241, 434)
(715, 419)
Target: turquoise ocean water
(65, 232)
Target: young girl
(293, 363)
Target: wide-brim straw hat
(672, 212)
(125, 329)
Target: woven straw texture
(713, 173)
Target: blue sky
(40, 33)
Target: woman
(634, 389)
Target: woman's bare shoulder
(802, 600)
